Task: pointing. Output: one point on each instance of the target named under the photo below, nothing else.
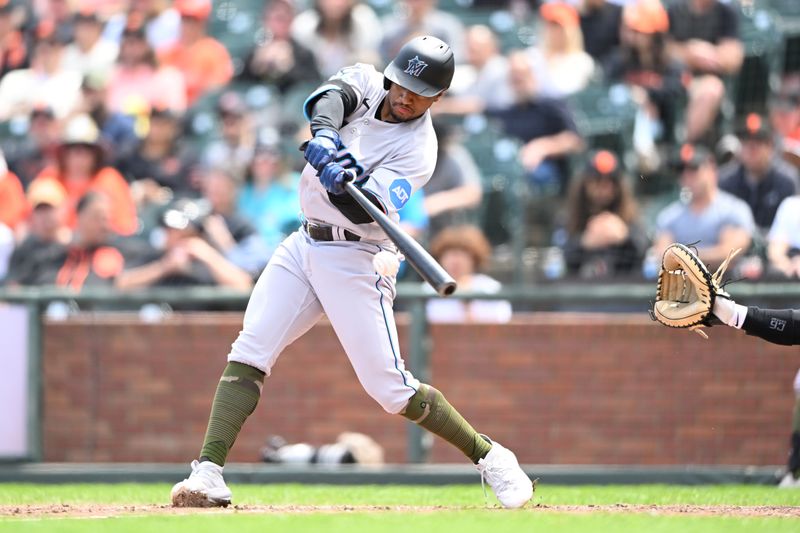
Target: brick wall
(555, 388)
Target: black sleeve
(562, 117)
(729, 27)
(350, 208)
(327, 110)
(776, 326)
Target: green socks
(237, 394)
(796, 416)
(429, 408)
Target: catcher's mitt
(687, 290)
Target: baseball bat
(417, 256)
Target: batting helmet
(424, 65)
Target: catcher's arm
(778, 326)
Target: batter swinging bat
(415, 254)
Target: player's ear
(436, 98)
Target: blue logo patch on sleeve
(399, 192)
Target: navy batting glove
(322, 149)
(332, 178)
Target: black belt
(320, 232)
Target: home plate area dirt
(101, 511)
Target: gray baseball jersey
(306, 278)
(393, 160)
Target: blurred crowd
(142, 145)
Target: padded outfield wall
(560, 388)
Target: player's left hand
(332, 178)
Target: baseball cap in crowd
(690, 156)
(603, 164)
(646, 16)
(196, 9)
(87, 15)
(560, 13)
(46, 192)
(754, 127)
(186, 213)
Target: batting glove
(322, 149)
(332, 178)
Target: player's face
(404, 105)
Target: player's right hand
(322, 149)
(332, 178)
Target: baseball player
(377, 126)
(779, 327)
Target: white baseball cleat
(502, 472)
(203, 488)
(789, 482)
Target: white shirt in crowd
(786, 226)
(443, 310)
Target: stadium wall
(560, 389)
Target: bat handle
(350, 175)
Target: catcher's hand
(687, 290)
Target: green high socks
(237, 395)
(429, 409)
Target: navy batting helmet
(424, 65)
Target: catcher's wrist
(729, 312)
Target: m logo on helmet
(415, 66)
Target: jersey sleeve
(352, 83)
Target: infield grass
(466, 511)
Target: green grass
(472, 515)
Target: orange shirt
(205, 64)
(14, 206)
(107, 181)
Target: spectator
(655, 80)
(226, 229)
(89, 53)
(44, 231)
(560, 64)
(716, 220)
(339, 33)
(236, 145)
(421, 17)
(280, 60)
(455, 186)
(785, 119)
(91, 258)
(484, 77)
(600, 26)
(160, 161)
(117, 131)
(349, 448)
(758, 177)
(45, 82)
(705, 37)
(204, 61)
(783, 250)
(36, 150)
(187, 257)
(269, 196)
(545, 126)
(604, 237)
(464, 251)
(162, 23)
(81, 169)
(56, 14)
(13, 47)
(137, 82)
(13, 205)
